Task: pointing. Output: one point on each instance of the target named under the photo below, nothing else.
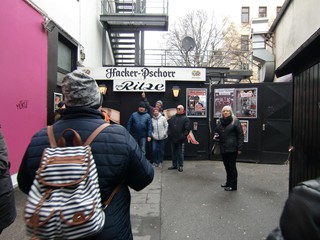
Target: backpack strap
(52, 140)
(95, 133)
(114, 192)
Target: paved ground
(192, 205)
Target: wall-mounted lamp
(103, 89)
(175, 91)
(48, 24)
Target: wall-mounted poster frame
(243, 101)
(245, 129)
(196, 103)
(57, 97)
(245, 105)
(222, 97)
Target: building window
(245, 14)
(244, 43)
(278, 9)
(262, 12)
(66, 58)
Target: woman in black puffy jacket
(231, 139)
(117, 155)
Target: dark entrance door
(275, 122)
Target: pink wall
(23, 88)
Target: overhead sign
(146, 74)
(139, 86)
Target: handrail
(236, 60)
(134, 6)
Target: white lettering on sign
(138, 86)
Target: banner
(146, 73)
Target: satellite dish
(188, 43)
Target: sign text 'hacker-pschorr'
(145, 73)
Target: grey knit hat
(80, 90)
(160, 102)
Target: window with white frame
(244, 42)
(262, 12)
(245, 11)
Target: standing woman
(231, 141)
(159, 135)
(7, 204)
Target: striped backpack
(64, 201)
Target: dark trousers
(229, 161)
(177, 154)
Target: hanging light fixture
(175, 91)
(103, 89)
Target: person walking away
(159, 135)
(179, 128)
(7, 202)
(230, 134)
(140, 126)
(116, 153)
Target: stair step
(128, 44)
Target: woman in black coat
(7, 203)
(231, 139)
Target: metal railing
(134, 6)
(236, 60)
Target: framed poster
(57, 97)
(222, 97)
(196, 102)
(246, 103)
(245, 129)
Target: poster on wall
(245, 129)
(245, 105)
(222, 97)
(57, 98)
(196, 102)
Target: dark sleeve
(240, 136)
(129, 123)
(149, 127)
(4, 162)
(140, 171)
(187, 127)
(24, 177)
(149, 107)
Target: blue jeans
(177, 154)
(142, 144)
(158, 150)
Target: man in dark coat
(179, 128)
(7, 203)
(117, 155)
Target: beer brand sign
(148, 79)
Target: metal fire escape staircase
(125, 22)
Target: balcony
(141, 15)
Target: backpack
(64, 201)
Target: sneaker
(160, 165)
(155, 165)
